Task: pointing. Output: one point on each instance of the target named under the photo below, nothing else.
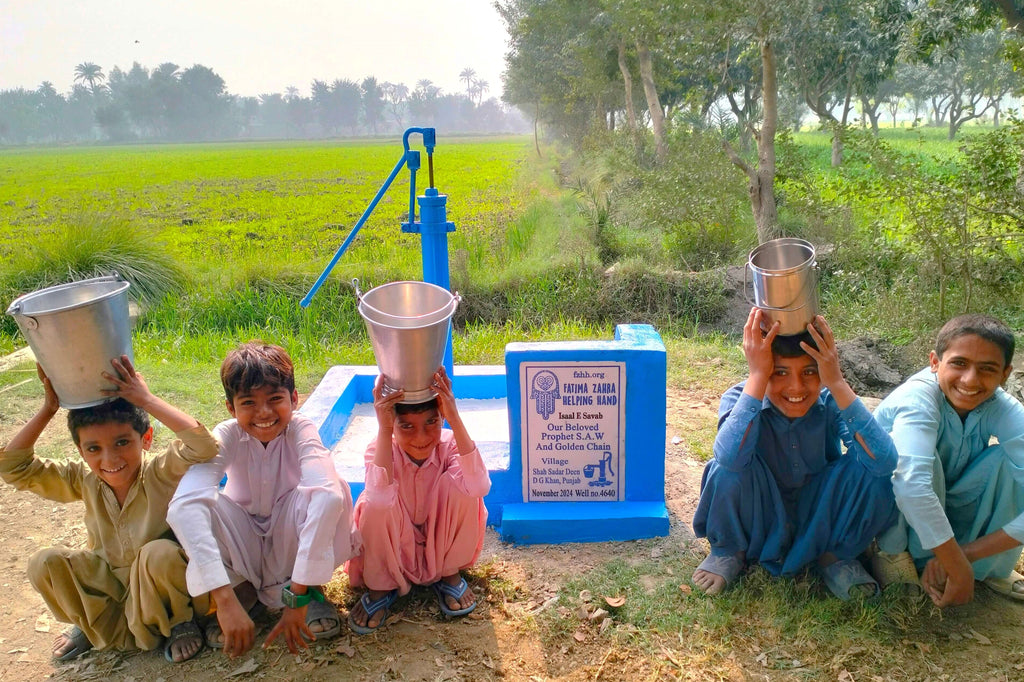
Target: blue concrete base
(553, 522)
(642, 514)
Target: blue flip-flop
(371, 608)
(843, 575)
(443, 590)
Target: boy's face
(794, 385)
(969, 371)
(114, 452)
(417, 434)
(264, 412)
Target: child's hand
(129, 383)
(757, 347)
(293, 626)
(827, 354)
(51, 403)
(442, 385)
(384, 406)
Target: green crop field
(227, 206)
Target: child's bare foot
(716, 573)
(70, 645)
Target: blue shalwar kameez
(782, 491)
(961, 478)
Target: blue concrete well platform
(605, 495)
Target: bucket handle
(814, 266)
(355, 285)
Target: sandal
(323, 610)
(1004, 586)
(728, 566)
(843, 575)
(896, 569)
(443, 590)
(371, 608)
(183, 631)
(80, 644)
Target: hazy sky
(256, 46)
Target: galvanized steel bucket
(785, 283)
(74, 330)
(408, 324)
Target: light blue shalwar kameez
(952, 480)
(782, 490)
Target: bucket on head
(408, 325)
(74, 330)
(785, 283)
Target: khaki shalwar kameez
(127, 588)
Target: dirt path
(501, 640)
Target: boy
(779, 490)
(127, 589)
(422, 515)
(282, 523)
(961, 497)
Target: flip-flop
(323, 610)
(186, 630)
(443, 590)
(371, 608)
(1004, 586)
(843, 575)
(728, 566)
(80, 644)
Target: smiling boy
(780, 491)
(960, 479)
(282, 522)
(126, 590)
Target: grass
(242, 229)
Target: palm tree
(468, 76)
(89, 73)
(480, 87)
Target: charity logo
(544, 390)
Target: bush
(94, 246)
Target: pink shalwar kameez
(427, 524)
(283, 515)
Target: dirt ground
(500, 640)
(497, 641)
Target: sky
(256, 46)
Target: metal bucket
(74, 331)
(408, 324)
(785, 283)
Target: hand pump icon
(590, 469)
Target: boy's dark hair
(255, 364)
(416, 408)
(118, 411)
(985, 326)
(789, 346)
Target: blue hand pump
(433, 226)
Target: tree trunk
(762, 190)
(536, 141)
(653, 103)
(627, 81)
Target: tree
(373, 103)
(468, 76)
(346, 100)
(395, 95)
(88, 72)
